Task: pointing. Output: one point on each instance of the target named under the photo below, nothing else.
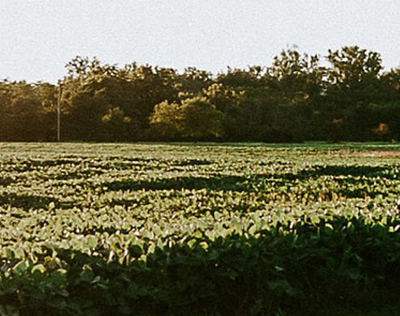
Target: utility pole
(59, 112)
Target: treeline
(297, 98)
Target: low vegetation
(105, 229)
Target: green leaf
(40, 268)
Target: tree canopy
(297, 98)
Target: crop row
(200, 230)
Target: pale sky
(38, 37)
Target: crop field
(199, 229)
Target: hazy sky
(38, 37)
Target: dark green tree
(353, 83)
(26, 111)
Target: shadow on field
(386, 172)
(360, 184)
(350, 182)
(349, 265)
(235, 183)
(4, 181)
(26, 201)
(191, 162)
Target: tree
(166, 121)
(25, 111)
(294, 78)
(192, 82)
(353, 83)
(201, 120)
(242, 79)
(99, 96)
(193, 119)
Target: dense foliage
(297, 98)
(199, 230)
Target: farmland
(186, 229)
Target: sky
(38, 37)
